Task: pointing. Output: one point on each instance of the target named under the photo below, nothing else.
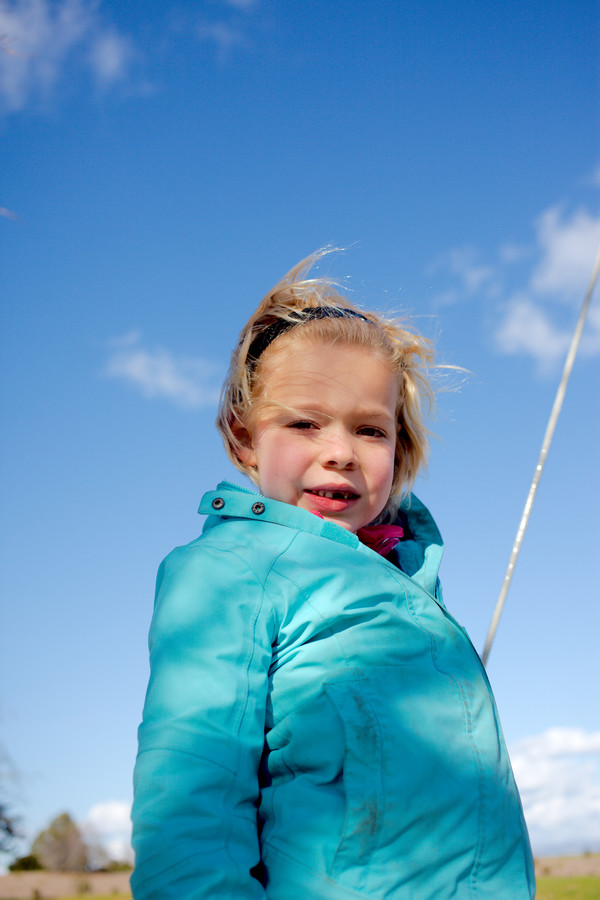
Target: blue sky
(163, 165)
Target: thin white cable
(558, 401)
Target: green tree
(9, 830)
(61, 847)
(25, 864)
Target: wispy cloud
(223, 35)
(558, 773)
(41, 39)
(110, 57)
(595, 177)
(224, 27)
(473, 276)
(189, 382)
(228, 32)
(241, 4)
(532, 293)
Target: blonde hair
(408, 354)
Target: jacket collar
(232, 500)
(418, 556)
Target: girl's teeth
(331, 495)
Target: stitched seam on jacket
(326, 627)
(250, 657)
(401, 576)
(160, 749)
(469, 734)
(306, 599)
(162, 872)
(323, 875)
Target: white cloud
(558, 774)
(189, 382)
(109, 817)
(568, 247)
(526, 328)
(40, 39)
(530, 322)
(110, 826)
(533, 294)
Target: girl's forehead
(315, 369)
(304, 354)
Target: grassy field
(548, 889)
(568, 888)
(558, 878)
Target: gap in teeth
(334, 495)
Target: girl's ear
(245, 449)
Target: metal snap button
(218, 503)
(258, 508)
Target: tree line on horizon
(61, 847)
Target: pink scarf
(380, 538)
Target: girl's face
(328, 444)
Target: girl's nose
(338, 453)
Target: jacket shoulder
(233, 558)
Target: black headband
(280, 326)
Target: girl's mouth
(334, 495)
(331, 502)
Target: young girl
(317, 725)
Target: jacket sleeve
(201, 738)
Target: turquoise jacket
(317, 726)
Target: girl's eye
(371, 431)
(302, 425)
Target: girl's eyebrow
(359, 413)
